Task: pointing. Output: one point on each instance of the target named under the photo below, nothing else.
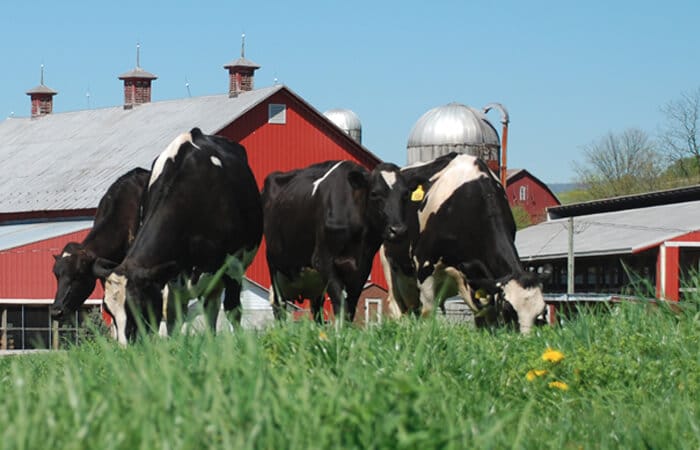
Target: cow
(116, 223)
(324, 224)
(202, 220)
(461, 241)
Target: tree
(679, 135)
(620, 164)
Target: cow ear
(102, 267)
(357, 179)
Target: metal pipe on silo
(505, 120)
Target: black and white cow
(323, 226)
(461, 242)
(115, 225)
(202, 215)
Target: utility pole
(570, 259)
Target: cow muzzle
(396, 232)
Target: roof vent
(42, 98)
(137, 84)
(241, 73)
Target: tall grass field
(626, 378)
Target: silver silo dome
(347, 121)
(453, 128)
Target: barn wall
(673, 269)
(303, 140)
(26, 271)
(538, 198)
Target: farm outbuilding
(644, 244)
(529, 192)
(56, 166)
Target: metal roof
(41, 89)
(452, 127)
(608, 233)
(345, 119)
(453, 124)
(137, 73)
(68, 160)
(665, 197)
(241, 62)
(12, 236)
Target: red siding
(537, 198)
(26, 271)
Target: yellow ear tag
(417, 195)
(481, 293)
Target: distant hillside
(558, 188)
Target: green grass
(633, 378)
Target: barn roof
(68, 160)
(608, 233)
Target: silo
(453, 128)
(347, 121)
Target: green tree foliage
(620, 164)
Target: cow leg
(117, 309)
(335, 292)
(212, 306)
(163, 327)
(232, 300)
(276, 299)
(427, 296)
(317, 308)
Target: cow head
(74, 278)
(388, 199)
(513, 300)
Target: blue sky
(568, 72)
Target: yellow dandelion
(559, 385)
(323, 336)
(534, 373)
(552, 355)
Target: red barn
(56, 167)
(525, 190)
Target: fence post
(54, 334)
(3, 325)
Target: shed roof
(665, 197)
(68, 160)
(16, 235)
(607, 233)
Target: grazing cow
(323, 226)
(461, 241)
(115, 226)
(202, 219)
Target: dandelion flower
(534, 373)
(559, 385)
(552, 355)
(323, 336)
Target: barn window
(277, 113)
(523, 193)
(373, 310)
